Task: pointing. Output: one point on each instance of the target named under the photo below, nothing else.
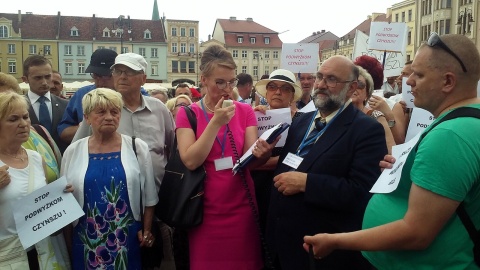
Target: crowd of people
(306, 203)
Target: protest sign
(385, 36)
(44, 211)
(419, 121)
(272, 118)
(407, 93)
(300, 57)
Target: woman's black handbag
(181, 192)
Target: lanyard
(304, 143)
(223, 143)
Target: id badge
(292, 160)
(223, 163)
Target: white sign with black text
(272, 118)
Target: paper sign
(389, 179)
(385, 36)
(300, 57)
(310, 107)
(44, 211)
(270, 119)
(407, 93)
(419, 121)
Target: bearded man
(323, 177)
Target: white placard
(310, 107)
(389, 179)
(385, 36)
(407, 93)
(300, 57)
(272, 118)
(419, 121)
(44, 211)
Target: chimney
(323, 30)
(318, 32)
(19, 16)
(233, 18)
(249, 19)
(209, 37)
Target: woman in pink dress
(228, 238)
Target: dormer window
(3, 31)
(147, 34)
(252, 40)
(106, 32)
(74, 32)
(267, 40)
(240, 39)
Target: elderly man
(306, 82)
(57, 85)
(327, 167)
(416, 226)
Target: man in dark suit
(328, 165)
(45, 109)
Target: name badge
(292, 160)
(223, 163)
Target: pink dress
(228, 238)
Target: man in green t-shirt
(416, 226)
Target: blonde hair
(213, 56)
(171, 104)
(8, 82)
(10, 101)
(103, 98)
(185, 97)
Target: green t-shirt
(447, 162)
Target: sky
(295, 21)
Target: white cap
(131, 60)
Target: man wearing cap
(324, 174)
(99, 69)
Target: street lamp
(118, 30)
(464, 19)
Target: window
(244, 69)
(267, 40)
(275, 54)
(183, 47)
(267, 70)
(174, 47)
(447, 26)
(192, 48)
(255, 70)
(68, 68)
(266, 55)
(403, 16)
(174, 66)
(244, 54)
(12, 66)
(275, 68)
(3, 31)
(106, 32)
(81, 68)
(113, 49)
(174, 31)
(396, 17)
(192, 32)
(252, 40)
(100, 47)
(255, 55)
(11, 48)
(124, 50)
(182, 32)
(32, 49)
(235, 53)
(74, 32)
(409, 37)
(141, 51)
(183, 66)
(68, 49)
(46, 50)
(154, 53)
(240, 39)
(81, 50)
(154, 69)
(191, 67)
(410, 15)
(147, 34)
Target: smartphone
(227, 103)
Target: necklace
(16, 156)
(205, 103)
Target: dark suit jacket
(58, 107)
(342, 167)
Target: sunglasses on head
(434, 40)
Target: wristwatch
(391, 123)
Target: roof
(233, 29)
(319, 36)
(243, 26)
(365, 25)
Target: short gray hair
(103, 98)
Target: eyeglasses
(183, 104)
(435, 40)
(128, 72)
(331, 81)
(223, 84)
(361, 85)
(98, 76)
(285, 89)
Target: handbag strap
(134, 146)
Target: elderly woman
(362, 95)
(180, 101)
(21, 171)
(113, 180)
(39, 139)
(228, 238)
